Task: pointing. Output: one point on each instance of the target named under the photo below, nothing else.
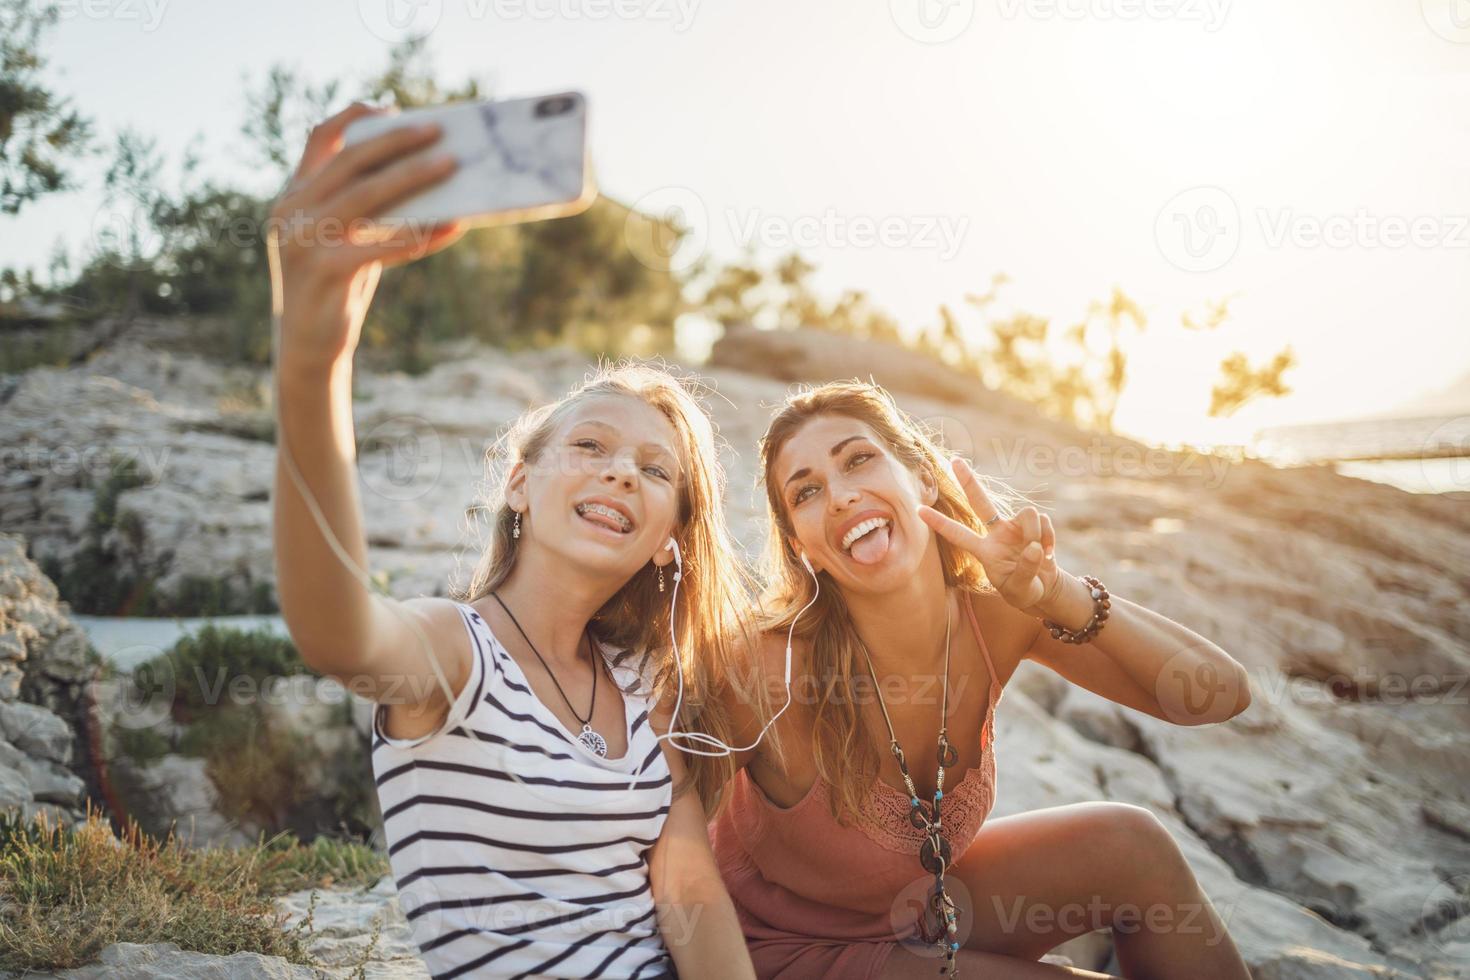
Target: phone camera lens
(557, 105)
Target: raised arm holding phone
(518, 847)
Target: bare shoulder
(440, 622)
(772, 651)
(760, 669)
(756, 691)
(1009, 633)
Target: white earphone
(720, 748)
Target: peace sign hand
(1017, 553)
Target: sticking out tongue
(871, 547)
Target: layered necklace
(592, 741)
(934, 855)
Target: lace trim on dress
(885, 816)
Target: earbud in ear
(678, 558)
(808, 563)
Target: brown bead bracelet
(1100, 606)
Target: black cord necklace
(934, 855)
(593, 741)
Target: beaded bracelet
(1100, 606)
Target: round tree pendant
(930, 859)
(593, 741)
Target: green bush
(51, 347)
(98, 580)
(203, 661)
(144, 746)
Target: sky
(1306, 161)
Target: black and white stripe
(516, 851)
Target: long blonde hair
(843, 747)
(714, 621)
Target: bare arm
(323, 279)
(379, 647)
(326, 607)
(1143, 660)
(695, 914)
(1139, 658)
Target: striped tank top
(516, 851)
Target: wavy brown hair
(714, 619)
(844, 749)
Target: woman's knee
(1145, 848)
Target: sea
(1424, 454)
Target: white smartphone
(519, 160)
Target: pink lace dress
(817, 899)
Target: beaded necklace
(934, 855)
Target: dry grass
(65, 894)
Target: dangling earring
(515, 530)
(660, 578)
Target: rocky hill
(1330, 824)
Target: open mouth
(867, 541)
(866, 527)
(604, 516)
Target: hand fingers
(1029, 561)
(1048, 536)
(1021, 588)
(980, 501)
(348, 168)
(324, 139)
(438, 238)
(1028, 519)
(950, 529)
(370, 196)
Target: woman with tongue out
(901, 596)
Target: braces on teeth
(606, 511)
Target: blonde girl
(537, 825)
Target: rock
(1309, 964)
(35, 730)
(43, 673)
(343, 921)
(11, 677)
(51, 783)
(134, 961)
(1328, 820)
(15, 790)
(176, 789)
(1061, 767)
(803, 355)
